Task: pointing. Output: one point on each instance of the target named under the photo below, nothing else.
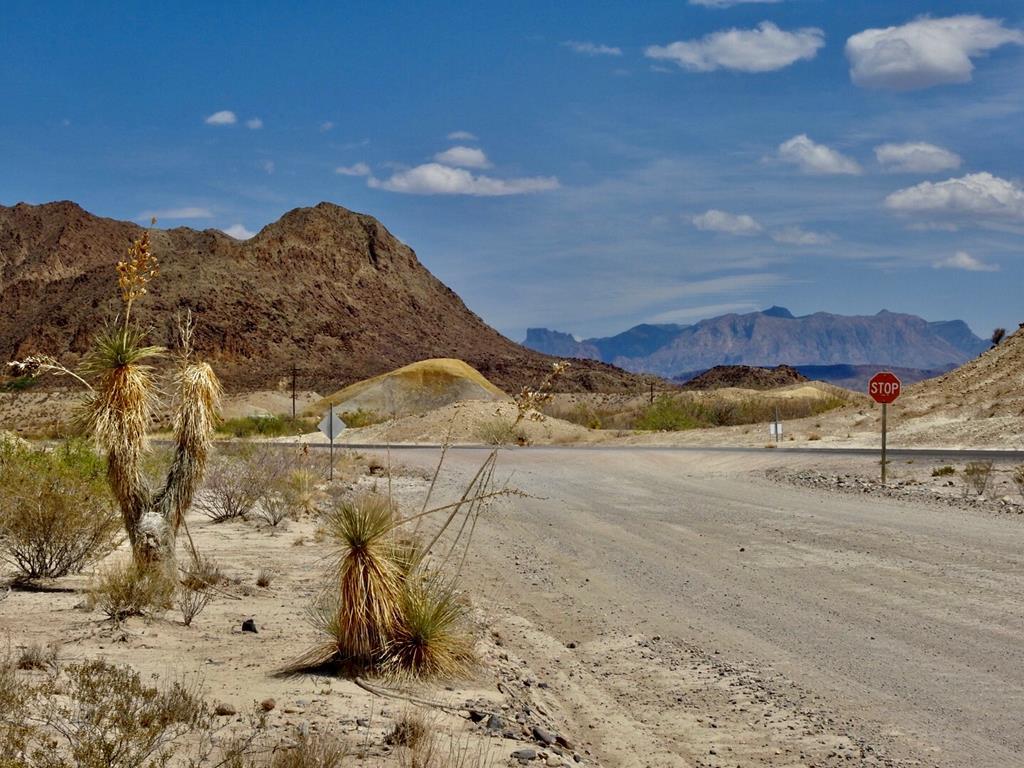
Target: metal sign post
(331, 426)
(884, 387)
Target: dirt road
(808, 628)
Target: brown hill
(745, 377)
(326, 288)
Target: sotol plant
(122, 394)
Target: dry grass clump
(501, 431)
(191, 601)
(264, 577)
(56, 514)
(310, 751)
(977, 475)
(1017, 475)
(127, 588)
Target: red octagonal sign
(884, 387)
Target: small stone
(362, 722)
(267, 705)
(495, 723)
(249, 625)
(525, 755)
(476, 716)
(224, 710)
(571, 644)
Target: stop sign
(884, 387)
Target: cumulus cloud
(815, 158)
(326, 126)
(964, 260)
(268, 166)
(438, 179)
(592, 49)
(764, 49)
(359, 169)
(729, 223)
(239, 232)
(186, 212)
(461, 136)
(254, 123)
(463, 157)
(728, 3)
(925, 52)
(798, 236)
(224, 117)
(916, 157)
(977, 194)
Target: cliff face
(327, 289)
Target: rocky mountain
(775, 336)
(327, 289)
(745, 377)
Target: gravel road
(896, 624)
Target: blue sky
(579, 165)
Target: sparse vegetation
(265, 426)
(997, 336)
(191, 600)
(944, 471)
(1017, 476)
(667, 414)
(127, 588)
(239, 477)
(977, 475)
(56, 514)
(264, 577)
(501, 431)
(361, 418)
(310, 751)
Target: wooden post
(330, 472)
(293, 391)
(885, 409)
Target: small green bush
(668, 414)
(56, 512)
(360, 418)
(265, 426)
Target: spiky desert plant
(117, 410)
(369, 580)
(432, 638)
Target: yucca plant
(116, 413)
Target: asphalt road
(907, 618)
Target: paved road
(905, 617)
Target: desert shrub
(238, 477)
(813, 436)
(501, 431)
(202, 572)
(106, 717)
(977, 475)
(18, 384)
(303, 487)
(191, 601)
(410, 730)
(1018, 478)
(125, 589)
(668, 414)
(37, 657)
(264, 577)
(943, 471)
(274, 507)
(310, 751)
(15, 729)
(360, 418)
(265, 426)
(56, 514)
(433, 752)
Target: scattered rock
(524, 755)
(249, 625)
(267, 705)
(545, 737)
(224, 710)
(495, 723)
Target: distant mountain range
(838, 348)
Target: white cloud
(964, 260)
(239, 232)
(254, 123)
(728, 3)
(268, 166)
(924, 52)
(461, 136)
(916, 157)
(797, 236)
(359, 169)
(437, 179)
(689, 314)
(224, 117)
(764, 49)
(187, 212)
(592, 49)
(326, 126)
(729, 223)
(815, 158)
(463, 157)
(977, 194)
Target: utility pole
(293, 391)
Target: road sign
(884, 387)
(775, 430)
(331, 425)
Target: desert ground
(651, 608)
